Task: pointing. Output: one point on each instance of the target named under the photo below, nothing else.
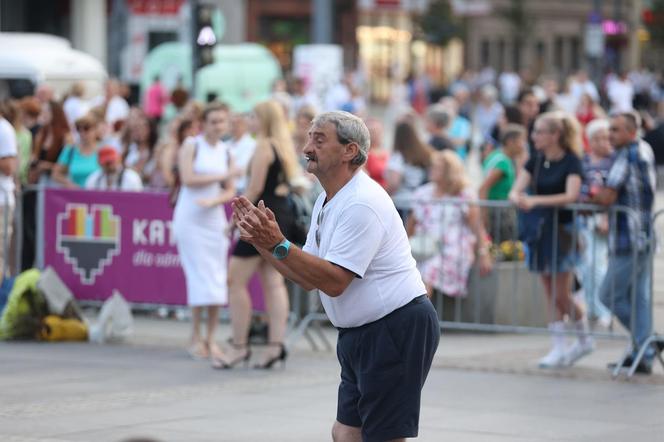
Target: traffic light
(207, 32)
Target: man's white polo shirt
(361, 231)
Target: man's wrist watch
(280, 251)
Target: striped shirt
(630, 178)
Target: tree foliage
(518, 18)
(439, 24)
(655, 25)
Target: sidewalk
(499, 353)
(480, 388)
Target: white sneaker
(556, 358)
(578, 350)
(605, 321)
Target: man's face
(238, 125)
(620, 133)
(515, 146)
(111, 167)
(529, 107)
(430, 126)
(323, 150)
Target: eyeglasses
(83, 128)
(319, 221)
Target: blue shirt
(594, 174)
(79, 166)
(461, 129)
(629, 178)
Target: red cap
(108, 154)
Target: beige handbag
(424, 246)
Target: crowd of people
(538, 146)
(541, 149)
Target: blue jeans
(616, 294)
(592, 268)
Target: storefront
(282, 25)
(390, 51)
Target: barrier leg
(319, 331)
(39, 243)
(621, 361)
(310, 339)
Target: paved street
(482, 388)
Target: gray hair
(350, 129)
(596, 126)
(438, 115)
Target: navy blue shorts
(383, 368)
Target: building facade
(554, 39)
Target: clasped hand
(257, 224)
(522, 201)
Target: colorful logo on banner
(89, 238)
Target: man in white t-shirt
(510, 84)
(8, 162)
(621, 94)
(113, 175)
(75, 105)
(358, 257)
(117, 108)
(581, 85)
(242, 146)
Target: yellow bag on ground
(55, 328)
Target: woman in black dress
(272, 167)
(553, 177)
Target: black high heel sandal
(283, 354)
(219, 364)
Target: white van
(27, 60)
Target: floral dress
(447, 221)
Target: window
(575, 53)
(540, 51)
(558, 53)
(516, 56)
(484, 53)
(501, 55)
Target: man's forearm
(318, 273)
(310, 272)
(284, 270)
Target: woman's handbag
(301, 209)
(531, 222)
(424, 246)
(531, 226)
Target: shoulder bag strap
(120, 177)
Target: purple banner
(101, 241)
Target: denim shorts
(383, 368)
(542, 254)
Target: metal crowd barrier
(39, 261)
(655, 340)
(510, 298)
(6, 239)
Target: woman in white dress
(205, 169)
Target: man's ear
(350, 151)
